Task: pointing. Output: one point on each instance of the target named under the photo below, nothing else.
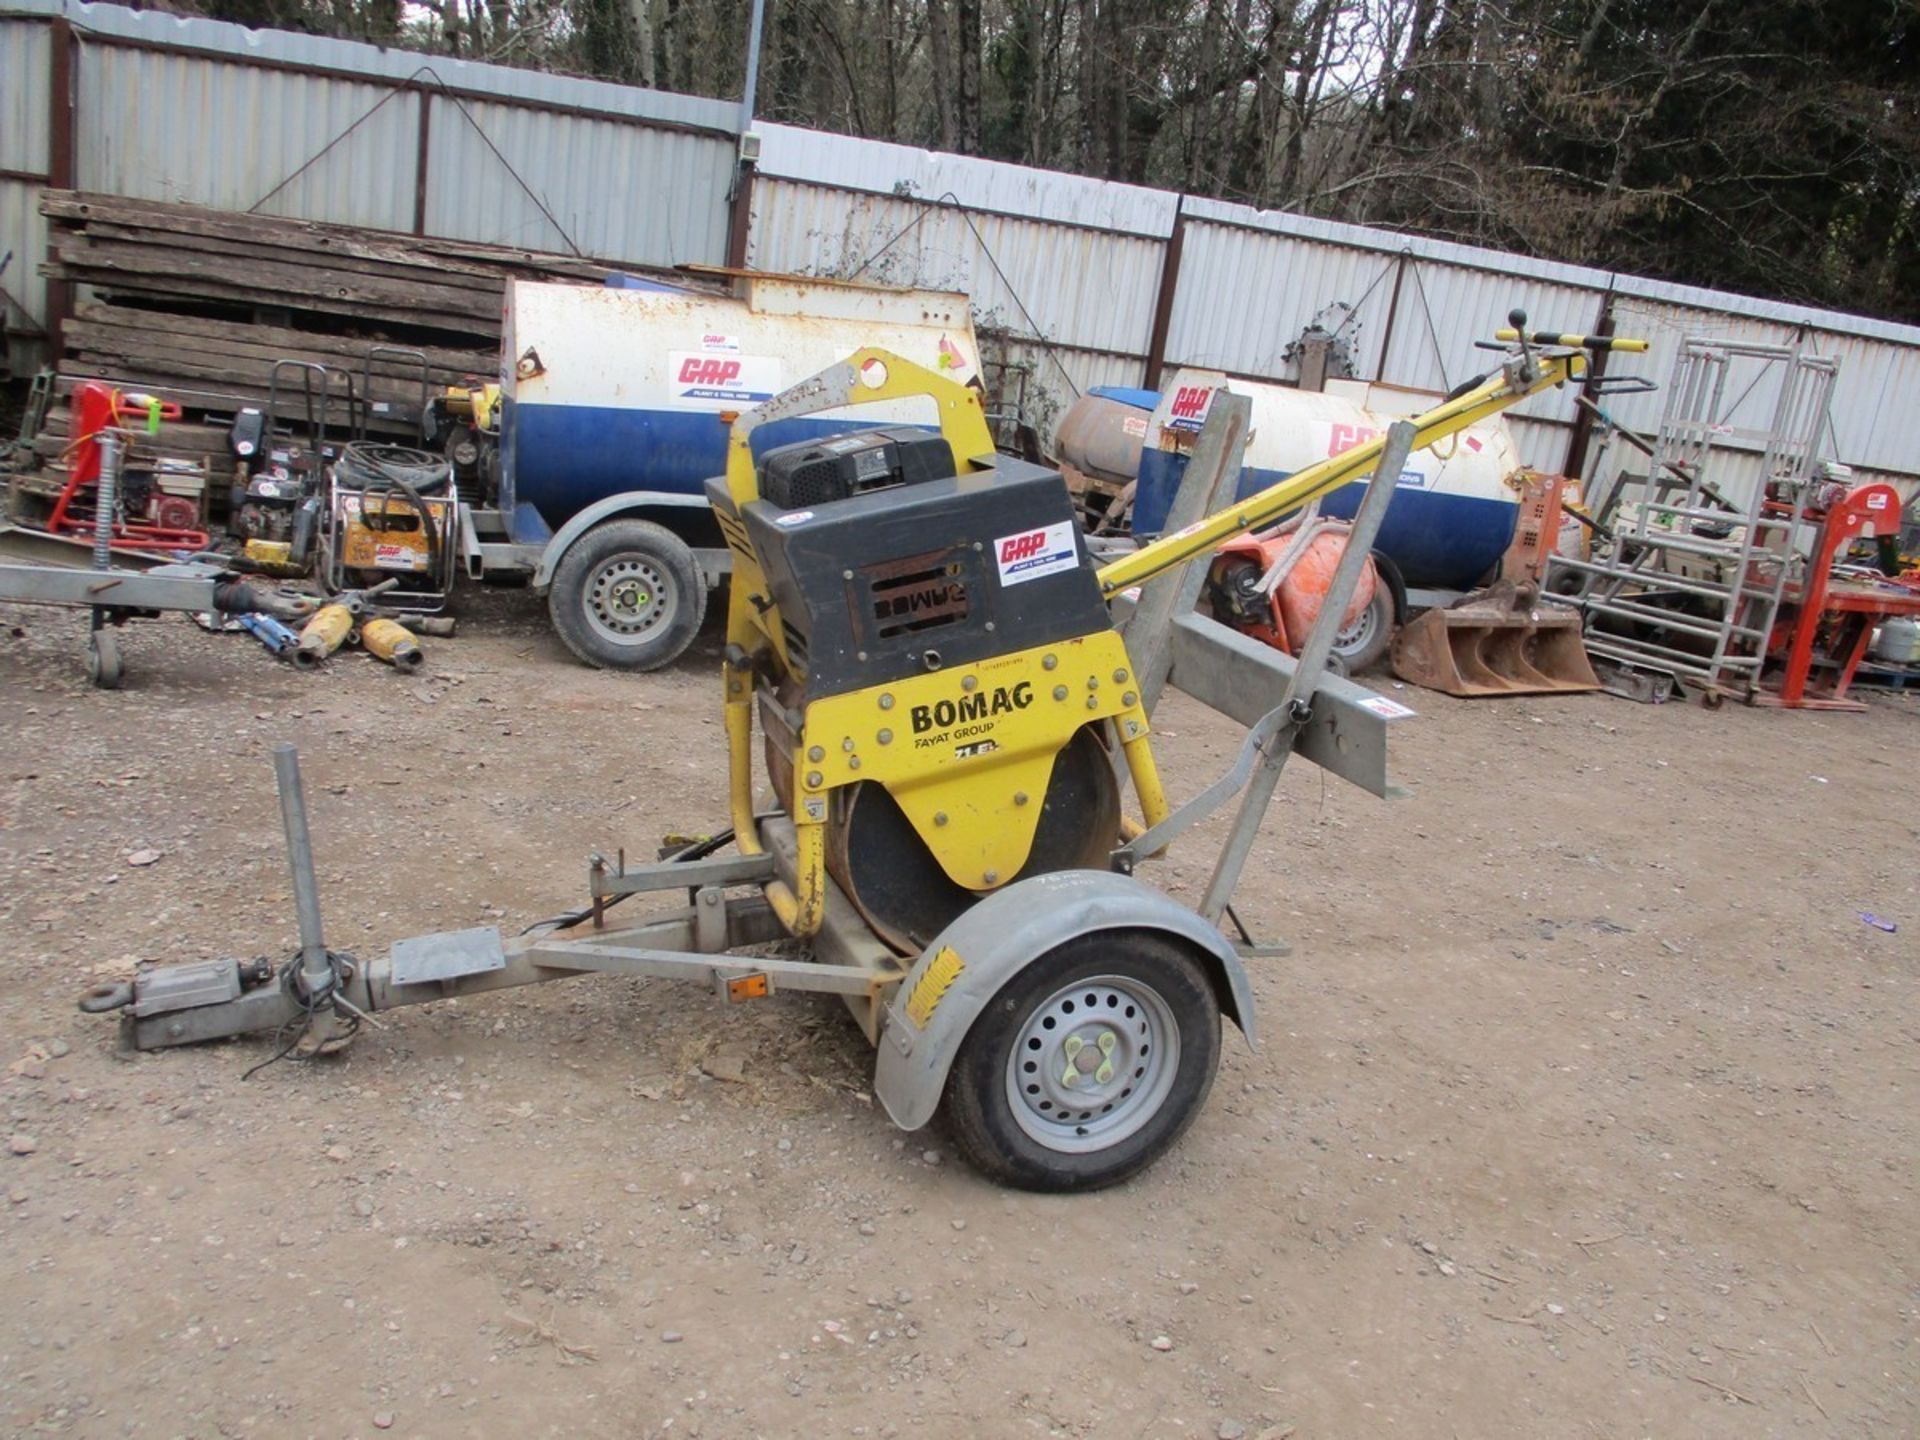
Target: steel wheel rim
(628, 598)
(1357, 636)
(1108, 1025)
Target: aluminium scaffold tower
(1700, 551)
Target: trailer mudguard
(638, 503)
(968, 963)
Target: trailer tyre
(1088, 1064)
(627, 595)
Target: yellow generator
(391, 515)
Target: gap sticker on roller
(1033, 553)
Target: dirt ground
(1586, 1103)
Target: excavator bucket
(1495, 642)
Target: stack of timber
(196, 305)
(214, 367)
(173, 256)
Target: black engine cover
(899, 581)
(815, 471)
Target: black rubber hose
(420, 507)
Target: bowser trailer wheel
(627, 595)
(1087, 1065)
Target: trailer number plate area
(448, 955)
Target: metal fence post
(1212, 475)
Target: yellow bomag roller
(948, 721)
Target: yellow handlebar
(1575, 342)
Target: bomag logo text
(943, 714)
(951, 595)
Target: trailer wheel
(104, 666)
(1087, 1065)
(627, 595)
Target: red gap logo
(1022, 547)
(1346, 437)
(695, 370)
(1190, 402)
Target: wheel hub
(627, 597)
(1093, 1063)
(1359, 634)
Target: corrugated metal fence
(25, 49)
(1075, 282)
(1097, 283)
(97, 97)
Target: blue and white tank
(1457, 506)
(606, 390)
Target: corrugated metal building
(1062, 275)
(213, 114)
(25, 48)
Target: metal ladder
(1698, 562)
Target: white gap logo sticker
(1386, 709)
(1033, 553)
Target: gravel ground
(1585, 1103)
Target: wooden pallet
(1888, 677)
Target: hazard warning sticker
(1033, 553)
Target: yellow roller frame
(976, 810)
(976, 814)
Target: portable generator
(390, 514)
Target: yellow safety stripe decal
(933, 986)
